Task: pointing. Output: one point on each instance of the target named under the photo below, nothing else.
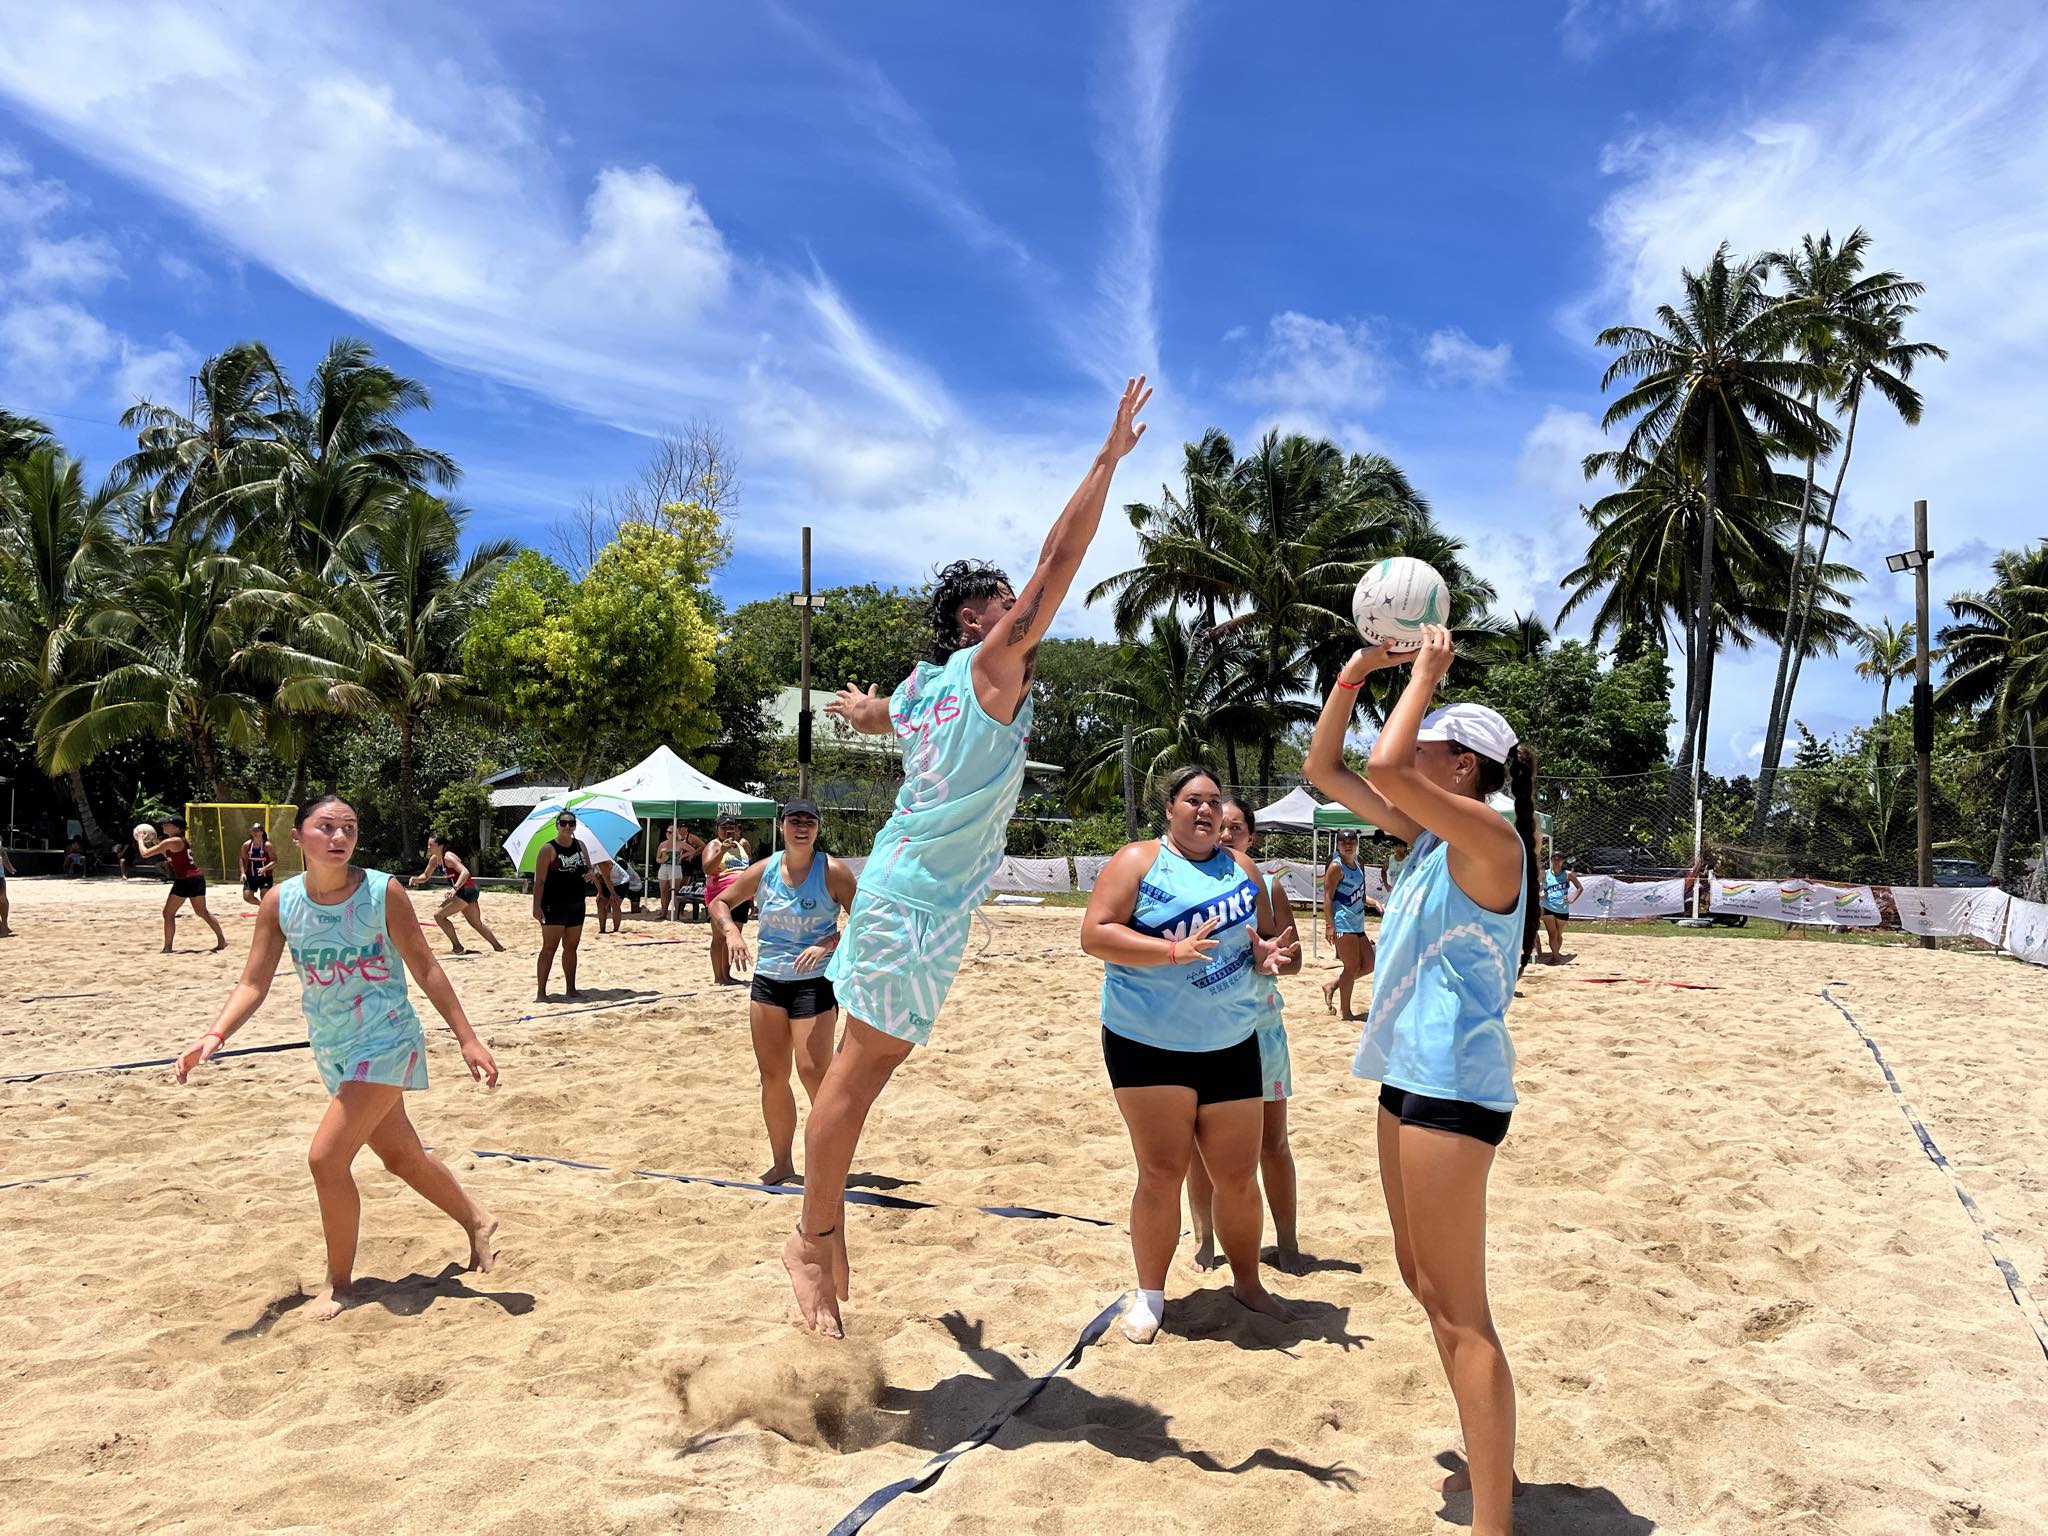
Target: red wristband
(1354, 687)
(1171, 957)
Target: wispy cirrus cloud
(1135, 101)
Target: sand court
(1737, 1294)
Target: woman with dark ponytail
(1458, 929)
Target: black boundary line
(301, 1045)
(930, 1472)
(2022, 1298)
(48, 1178)
(853, 1196)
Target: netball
(143, 833)
(1396, 598)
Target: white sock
(1146, 1313)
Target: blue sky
(904, 253)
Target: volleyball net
(217, 831)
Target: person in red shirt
(188, 880)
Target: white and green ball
(1396, 598)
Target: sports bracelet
(1354, 687)
(214, 1034)
(1171, 957)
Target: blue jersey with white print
(791, 919)
(1202, 1005)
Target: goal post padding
(217, 832)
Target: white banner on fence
(1797, 901)
(1297, 879)
(1988, 909)
(2026, 931)
(1086, 867)
(1627, 899)
(1932, 911)
(1596, 894)
(1038, 877)
(1375, 885)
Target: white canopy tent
(1294, 811)
(663, 787)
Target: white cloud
(1317, 367)
(1946, 164)
(1588, 26)
(79, 263)
(25, 198)
(52, 348)
(1554, 452)
(1452, 357)
(153, 373)
(1134, 110)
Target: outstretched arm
(1325, 767)
(1002, 667)
(867, 712)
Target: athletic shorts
(564, 918)
(1562, 917)
(1453, 1115)
(1276, 1070)
(467, 893)
(259, 885)
(396, 1064)
(191, 885)
(896, 963)
(801, 997)
(1217, 1077)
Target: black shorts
(801, 997)
(563, 919)
(191, 885)
(467, 893)
(742, 912)
(1556, 917)
(1453, 1115)
(1218, 1077)
(258, 884)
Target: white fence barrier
(1035, 877)
(1297, 879)
(1604, 899)
(2026, 931)
(1932, 911)
(1086, 868)
(1797, 901)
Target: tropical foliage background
(280, 589)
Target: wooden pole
(1923, 709)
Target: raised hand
(848, 704)
(1127, 429)
(1269, 955)
(1198, 945)
(1433, 657)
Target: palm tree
(1852, 325)
(162, 652)
(1180, 690)
(1888, 653)
(19, 437)
(190, 463)
(1714, 394)
(57, 543)
(389, 639)
(1995, 660)
(1175, 537)
(1528, 637)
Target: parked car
(1632, 863)
(1960, 873)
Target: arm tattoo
(1020, 623)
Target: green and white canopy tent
(663, 787)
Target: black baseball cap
(800, 808)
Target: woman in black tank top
(561, 889)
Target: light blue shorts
(1276, 1071)
(400, 1063)
(896, 963)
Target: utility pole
(2040, 815)
(1923, 706)
(805, 602)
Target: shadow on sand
(408, 1296)
(1553, 1509)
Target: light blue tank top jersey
(352, 983)
(792, 919)
(1273, 1014)
(1557, 891)
(1347, 909)
(962, 771)
(1446, 972)
(1197, 1007)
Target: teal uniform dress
(359, 1018)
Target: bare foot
(223, 944)
(497, 947)
(1286, 1258)
(458, 950)
(540, 997)
(573, 995)
(842, 1271)
(167, 949)
(1460, 1481)
(482, 1253)
(330, 1304)
(780, 1173)
(809, 1261)
(1329, 992)
(1206, 1257)
(1258, 1299)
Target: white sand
(1738, 1296)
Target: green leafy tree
(1994, 659)
(19, 437)
(604, 668)
(1070, 721)
(1714, 398)
(58, 543)
(1887, 657)
(192, 464)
